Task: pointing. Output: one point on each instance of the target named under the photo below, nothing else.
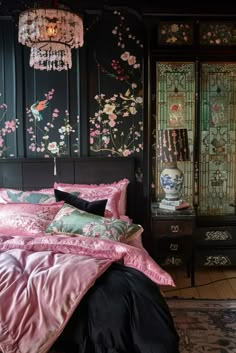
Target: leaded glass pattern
(175, 108)
(177, 33)
(223, 33)
(217, 172)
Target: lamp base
(171, 180)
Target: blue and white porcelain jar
(171, 180)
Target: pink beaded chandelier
(51, 33)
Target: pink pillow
(2, 200)
(27, 218)
(122, 186)
(100, 190)
(96, 192)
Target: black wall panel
(8, 105)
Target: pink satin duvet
(42, 280)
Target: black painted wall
(109, 64)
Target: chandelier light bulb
(51, 30)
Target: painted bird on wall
(37, 107)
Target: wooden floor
(213, 283)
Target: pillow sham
(112, 196)
(27, 218)
(70, 220)
(120, 185)
(95, 207)
(40, 196)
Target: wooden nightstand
(172, 238)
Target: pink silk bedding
(42, 280)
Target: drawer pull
(174, 247)
(174, 228)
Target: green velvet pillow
(70, 220)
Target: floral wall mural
(116, 128)
(7, 127)
(49, 133)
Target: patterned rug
(205, 326)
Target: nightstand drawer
(171, 228)
(175, 246)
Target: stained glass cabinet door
(217, 169)
(205, 105)
(175, 108)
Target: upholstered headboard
(38, 173)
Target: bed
(74, 278)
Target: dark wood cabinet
(194, 89)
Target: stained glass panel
(217, 183)
(175, 108)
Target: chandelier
(51, 34)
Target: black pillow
(95, 207)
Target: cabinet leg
(193, 271)
(189, 268)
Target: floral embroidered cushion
(41, 196)
(27, 218)
(70, 220)
(96, 207)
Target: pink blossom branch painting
(117, 127)
(46, 139)
(7, 127)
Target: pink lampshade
(173, 145)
